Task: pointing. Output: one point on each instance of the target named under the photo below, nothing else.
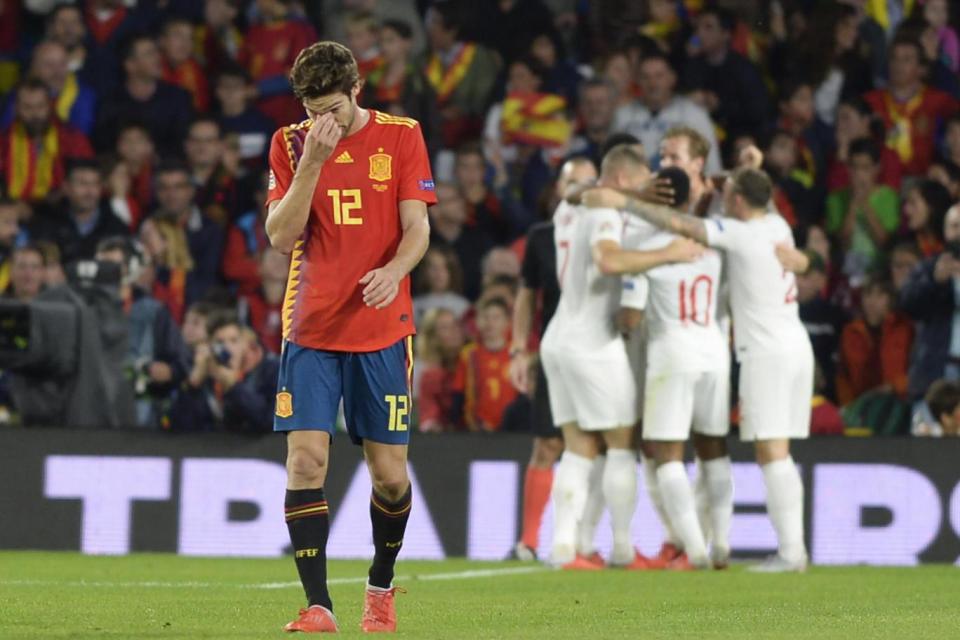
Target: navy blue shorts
(374, 386)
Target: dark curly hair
(324, 68)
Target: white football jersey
(584, 320)
(763, 295)
(682, 330)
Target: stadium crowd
(137, 131)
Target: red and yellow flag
(538, 119)
(446, 81)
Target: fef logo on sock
(393, 545)
(306, 553)
(284, 404)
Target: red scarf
(101, 30)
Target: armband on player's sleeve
(634, 292)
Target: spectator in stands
(176, 197)
(947, 174)
(237, 116)
(875, 348)
(439, 342)
(53, 273)
(461, 73)
(110, 24)
(268, 52)
(514, 24)
(911, 111)
(165, 110)
(598, 101)
(73, 101)
(65, 26)
(797, 117)
(863, 216)
(85, 217)
(924, 209)
(904, 258)
(35, 147)
(937, 15)
(265, 305)
(232, 386)
(447, 220)
(932, 297)
(951, 140)
(439, 284)
(9, 230)
(157, 357)
(215, 184)
(399, 87)
(246, 241)
(362, 30)
(26, 273)
(500, 261)
(482, 384)
(217, 41)
(724, 82)
(617, 68)
(659, 109)
(943, 403)
(563, 78)
(822, 319)
(384, 11)
(165, 243)
(179, 66)
(832, 58)
(137, 153)
(855, 120)
(794, 188)
(484, 209)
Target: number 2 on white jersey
(688, 300)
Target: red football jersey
(354, 227)
(483, 376)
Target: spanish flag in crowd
(538, 119)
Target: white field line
(454, 575)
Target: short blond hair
(697, 144)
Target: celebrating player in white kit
(776, 373)
(592, 390)
(687, 381)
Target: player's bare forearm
(666, 218)
(523, 310)
(288, 216)
(381, 285)
(416, 237)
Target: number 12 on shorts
(399, 406)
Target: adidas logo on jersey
(344, 158)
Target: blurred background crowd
(136, 132)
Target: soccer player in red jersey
(348, 196)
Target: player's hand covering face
(322, 139)
(604, 197)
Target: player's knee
(709, 447)
(546, 452)
(306, 466)
(389, 480)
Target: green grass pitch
(66, 595)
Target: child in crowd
(482, 383)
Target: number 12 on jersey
(345, 201)
(399, 408)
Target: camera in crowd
(64, 351)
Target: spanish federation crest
(380, 166)
(284, 404)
